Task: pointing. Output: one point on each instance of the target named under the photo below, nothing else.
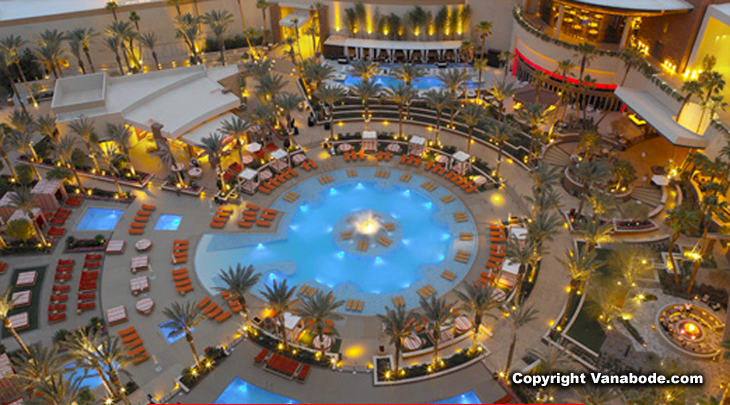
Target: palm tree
(517, 316)
(364, 69)
(286, 103)
(526, 255)
(65, 150)
(545, 176)
(114, 43)
(38, 364)
(563, 70)
(318, 313)
(587, 52)
(484, 29)
(22, 142)
(213, 146)
(263, 5)
(591, 394)
(50, 50)
(467, 53)
(543, 227)
(452, 79)
(149, 41)
(238, 129)
(134, 18)
(110, 156)
(169, 159)
(279, 299)
(188, 29)
(535, 116)
(25, 201)
(476, 299)
(182, 319)
(480, 66)
(408, 73)
(437, 313)
(123, 31)
(5, 132)
(6, 305)
(269, 86)
(84, 37)
(262, 115)
(539, 78)
(590, 173)
(102, 355)
(312, 32)
(595, 233)
(243, 24)
(238, 283)
(75, 48)
(710, 206)
(632, 57)
(112, 6)
(46, 125)
(218, 21)
(315, 73)
(176, 3)
(397, 324)
(580, 265)
(10, 52)
(472, 114)
(84, 128)
(331, 95)
(57, 390)
(439, 100)
(112, 356)
(690, 88)
(506, 58)
(682, 219)
(401, 93)
(258, 68)
(120, 134)
(500, 94)
(500, 132)
(367, 90)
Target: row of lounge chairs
(133, 343)
(59, 217)
(497, 252)
(462, 181)
(74, 201)
(56, 231)
(411, 160)
(352, 156)
(182, 281)
(220, 218)
(232, 302)
(309, 164)
(383, 156)
(250, 216)
(57, 306)
(277, 179)
(141, 219)
(212, 310)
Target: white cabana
(508, 274)
(373, 47)
(253, 147)
(369, 141)
(37, 216)
(247, 179)
(49, 194)
(417, 145)
(461, 162)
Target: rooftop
(638, 5)
(18, 10)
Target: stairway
(559, 155)
(651, 196)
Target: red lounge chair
(92, 265)
(87, 286)
(306, 166)
(64, 211)
(87, 296)
(313, 164)
(417, 162)
(66, 262)
(130, 337)
(148, 207)
(403, 158)
(90, 275)
(387, 156)
(63, 277)
(429, 165)
(56, 231)
(61, 288)
(86, 306)
(56, 307)
(59, 298)
(93, 257)
(56, 221)
(56, 318)
(64, 269)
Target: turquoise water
(465, 398)
(310, 243)
(99, 219)
(91, 381)
(165, 331)
(423, 83)
(241, 392)
(168, 222)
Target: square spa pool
(168, 222)
(99, 219)
(241, 392)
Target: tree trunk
(477, 325)
(400, 119)
(672, 241)
(438, 126)
(8, 325)
(243, 24)
(81, 65)
(222, 46)
(78, 180)
(157, 63)
(332, 120)
(25, 82)
(88, 58)
(499, 159)
(367, 116)
(118, 386)
(471, 133)
(437, 338)
(283, 333)
(119, 188)
(126, 58)
(484, 38)
(263, 34)
(397, 357)
(10, 166)
(191, 342)
(510, 354)
(119, 62)
(684, 104)
(479, 85)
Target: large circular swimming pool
(363, 237)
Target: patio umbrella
(660, 180)
(253, 147)
(344, 147)
(395, 148)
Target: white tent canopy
(204, 130)
(278, 154)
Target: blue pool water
(465, 398)
(91, 381)
(241, 392)
(99, 219)
(423, 83)
(168, 222)
(311, 244)
(165, 331)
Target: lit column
(628, 22)
(559, 24)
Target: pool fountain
(690, 330)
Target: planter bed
(195, 192)
(420, 372)
(146, 177)
(630, 226)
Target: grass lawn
(586, 328)
(35, 299)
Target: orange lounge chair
(135, 352)
(387, 156)
(127, 331)
(306, 166)
(180, 242)
(136, 231)
(181, 277)
(205, 301)
(264, 224)
(313, 164)
(147, 207)
(217, 311)
(217, 225)
(222, 317)
(210, 307)
(183, 282)
(244, 224)
(141, 219)
(268, 217)
(133, 343)
(379, 156)
(142, 357)
(137, 225)
(142, 213)
(130, 337)
(179, 260)
(185, 289)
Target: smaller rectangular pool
(99, 219)
(241, 392)
(90, 380)
(465, 398)
(168, 222)
(165, 331)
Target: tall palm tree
(517, 316)
(318, 313)
(84, 128)
(81, 347)
(543, 227)
(124, 32)
(595, 233)
(452, 79)
(57, 390)
(120, 134)
(331, 95)
(169, 159)
(484, 29)
(149, 41)
(480, 66)
(526, 255)
(580, 264)
(38, 364)
(397, 324)
(49, 49)
(112, 6)
(176, 3)
(243, 24)
(690, 88)
(218, 21)
(5, 148)
(263, 5)
(710, 206)
(188, 29)
(539, 78)
(110, 157)
(46, 125)
(545, 176)
(6, 305)
(238, 129)
(269, 86)
(439, 100)
(22, 142)
(563, 70)
(467, 53)
(23, 200)
(681, 219)
(500, 132)
(113, 357)
(262, 115)
(286, 103)
(408, 73)
(134, 18)
(586, 52)
(507, 58)
(472, 114)
(10, 52)
(182, 319)
(238, 283)
(84, 37)
(75, 49)
(535, 116)
(367, 90)
(315, 73)
(476, 299)
(591, 173)
(401, 94)
(500, 93)
(279, 297)
(437, 313)
(114, 44)
(213, 146)
(65, 150)
(364, 69)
